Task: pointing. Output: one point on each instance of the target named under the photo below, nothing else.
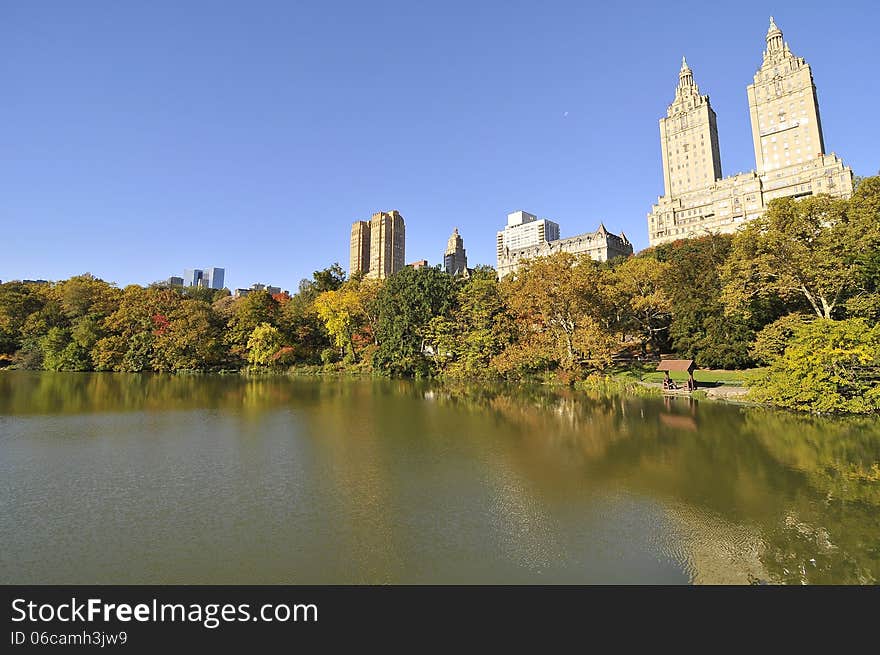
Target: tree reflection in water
(802, 491)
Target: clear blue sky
(142, 138)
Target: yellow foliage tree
(560, 313)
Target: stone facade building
(790, 156)
(377, 247)
(455, 257)
(600, 245)
(359, 251)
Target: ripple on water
(710, 549)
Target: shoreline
(614, 383)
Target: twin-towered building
(378, 246)
(790, 156)
(790, 161)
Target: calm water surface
(112, 478)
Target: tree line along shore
(796, 292)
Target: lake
(117, 478)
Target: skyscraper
(790, 156)
(378, 248)
(455, 258)
(211, 278)
(689, 138)
(387, 244)
(359, 252)
(214, 277)
(192, 277)
(783, 108)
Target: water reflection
(317, 480)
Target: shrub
(329, 356)
(828, 366)
(771, 341)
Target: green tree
(828, 366)
(18, 300)
(407, 303)
(797, 251)
(478, 329)
(771, 342)
(328, 279)
(699, 328)
(863, 211)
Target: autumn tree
(262, 345)
(350, 314)
(561, 313)
(642, 304)
(18, 300)
(254, 309)
(191, 338)
(303, 328)
(141, 316)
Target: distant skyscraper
(359, 253)
(211, 278)
(455, 259)
(214, 278)
(387, 244)
(192, 277)
(377, 248)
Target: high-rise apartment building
(783, 108)
(378, 247)
(790, 156)
(522, 231)
(689, 137)
(359, 252)
(455, 258)
(387, 244)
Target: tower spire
(774, 37)
(685, 75)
